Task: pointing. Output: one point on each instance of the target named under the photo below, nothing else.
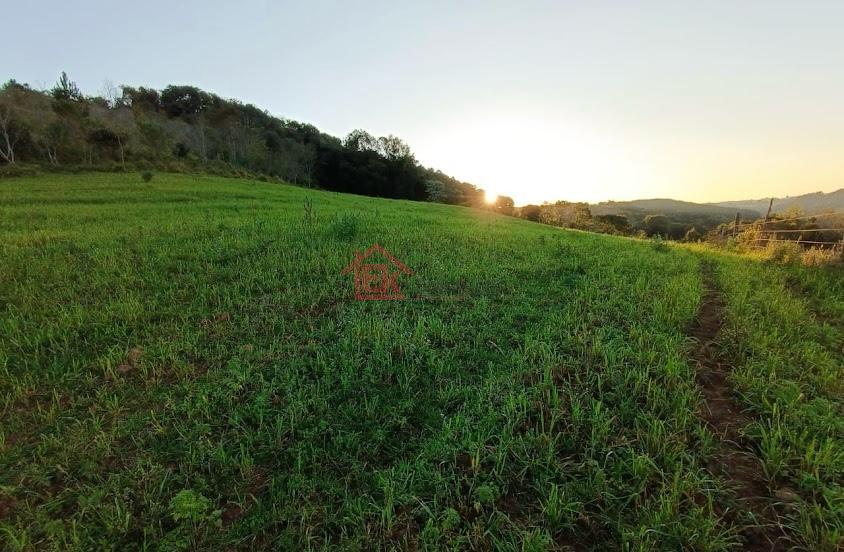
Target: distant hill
(681, 216)
(810, 203)
(669, 207)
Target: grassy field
(183, 366)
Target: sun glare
(535, 157)
(491, 198)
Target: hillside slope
(185, 366)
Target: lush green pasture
(183, 366)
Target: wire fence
(837, 243)
(768, 235)
(776, 221)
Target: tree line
(143, 127)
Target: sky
(582, 101)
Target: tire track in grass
(732, 460)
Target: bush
(783, 252)
(658, 243)
(146, 176)
(13, 171)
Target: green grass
(183, 366)
(785, 337)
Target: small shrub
(146, 176)
(189, 505)
(659, 244)
(345, 227)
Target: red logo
(376, 281)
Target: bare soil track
(732, 460)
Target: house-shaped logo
(376, 281)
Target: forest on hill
(183, 126)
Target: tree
(111, 94)
(113, 129)
(12, 128)
(66, 89)
(504, 205)
(392, 147)
(122, 123)
(441, 191)
(692, 235)
(360, 140)
(657, 225)
(51, 135)
(619, 223)
(566, 214)
(530, 212)
(145, 100)
(178, 101)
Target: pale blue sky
(539, 100)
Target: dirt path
(723, 414)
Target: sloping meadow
(183, 365)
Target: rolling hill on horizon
(815, 202)
(679, 216)
(705, 216)
(668, 206)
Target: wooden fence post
(764, 235)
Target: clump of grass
(345, 226)
(815, 256)
(146, 176)
(309, 215)
(782, 251)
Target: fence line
(773, 221)
(798, 241)
(804, 230)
